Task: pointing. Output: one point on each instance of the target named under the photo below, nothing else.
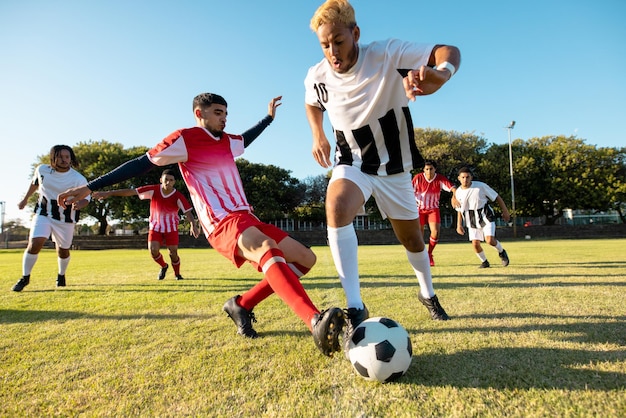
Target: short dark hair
(207, 99)
(466, 169)
(55, 150)
(168, 172)
(430, 162)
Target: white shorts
(62, 232)
(479, 234)
(393, 194)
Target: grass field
(544, 337)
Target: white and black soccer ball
(380, 349)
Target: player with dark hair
(427, 186)
(165, 202)
(364, 89)
(49, 220)
(474, 210)
(206, 157)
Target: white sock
(481, 255)
(63, 262)
(344, 245)
(421, 266)
(28, 262)
(498, 247)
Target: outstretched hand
(70, 196)
(424, 81)
(274, 103)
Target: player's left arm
(253, 133)
(505, 211)
(193, 223)
(443, 63)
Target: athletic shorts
(394, 194)
(430, 216)
(167, 238)
(226, 234)
(62, 232)
(479, 234)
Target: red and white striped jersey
(428, 192)
(164, 208)
(208, 167)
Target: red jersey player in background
(206, 157)
(165, 202)
(428, 186)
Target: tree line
(551, 174)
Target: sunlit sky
(127, 71)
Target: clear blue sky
(126, 71)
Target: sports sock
(432, 243)
(176, 266)
(421, 266)
(286, 285)
(498, 246)
(160, 260)
(28, 262)
(63, 263)
(343, 245)
(262, 290)
(481, 255)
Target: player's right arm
(459, 223)
(117, 192)
(321, 146)
(129, 169)
(31, 189)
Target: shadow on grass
(526, 368)
(518, 368)
(13, 316)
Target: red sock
(176, 266)
(160, 261)
(431, 244)
(262, 290)
(284, 282)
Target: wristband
(446, 66)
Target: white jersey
(368, 107)
(475, 204)
(51, 183)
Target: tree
(271, 190)
(450, 149)
(312, 207)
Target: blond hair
(334, 11)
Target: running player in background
(206, 157)
(365, 89)
(474, 197)
(427, 186)
(49, 220)
(165, 202)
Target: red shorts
(428, 216)
(225, 236)
(167, 238)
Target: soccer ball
(380, 349)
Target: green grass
(544, 337)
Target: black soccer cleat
(504, 257)
(21, 283)
(61, 280)
(163, 271)
(485, 264)
(434, 307)
(179, 277)
(326, 327)
(241, 317)
(354, 317)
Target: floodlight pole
(511, 125)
